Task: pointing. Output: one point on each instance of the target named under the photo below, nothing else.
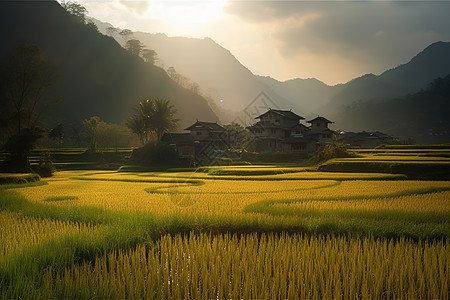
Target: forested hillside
(94, 75)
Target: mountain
(222, 78)
(221, 75)
(309, 95)
(422, 116)
(94, 74)
(429, 64)
(213, 67)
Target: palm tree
(153, 115)
(163, 119)
(137, 126)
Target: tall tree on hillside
(149, 56)
(126, 34)
(134, 46)
(75, 9)
(111, 30)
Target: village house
(275, 130)
(282, 130)
(365, 139)
(202, 138)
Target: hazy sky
(333, 41)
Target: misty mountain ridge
(222, 77)
(431, 63)
(422, 116)
(94, 74)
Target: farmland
(248, 231)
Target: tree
(238, 137)
(92, 26)
(75, 9)
(164, 117)
(126, 34)
(152, 116)
(91, 130)
(134, 46)
(111, 30)
(56, 134)
(137, 125)
(25, 78)
(149, 56)
(333, 149)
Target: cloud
(370, 33)
(139, 7)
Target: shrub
(45, 168)
(334, 149)
(156, 155)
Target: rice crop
(19, 231)
(261, 267)
(164, 196)
(430, 202)
(177, 235)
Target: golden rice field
(19, 232)
(261, 267)
(194, 235)
(111, 191)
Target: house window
(199, 133)
(318, 124)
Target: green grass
(414, 170)
(60, 198)
(415, 147)
(8, 178)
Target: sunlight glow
(181, 13)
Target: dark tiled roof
(207, 125)
(284, 113)
(264, 125)
(320, 119)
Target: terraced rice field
(287, 232)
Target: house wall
(288, 123)
(268, 144)
(325, 137)
(268, 132)
(186, 150)
(279, 120)
(199, 134)
(294, 147)
(311, 148)
(318, 126)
